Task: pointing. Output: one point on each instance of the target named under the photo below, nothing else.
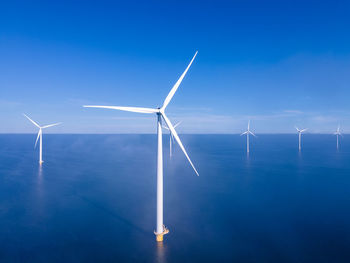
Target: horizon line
(89, 133)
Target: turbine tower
(248, 132)
(300, 132)
(160, 112)
(40, 134)
(171, 138)
(337, 133)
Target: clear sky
(278, 63)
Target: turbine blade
(177, 84)
(304, 130)
(248, 124)
(50, 125)
(244, 133)
(177, 124)
(171, 128)
(37, 125)
(132, 109)
(252, 133)
(165, 127)
(37, 138)
(297, 128)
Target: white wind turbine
(300, 132)
(40, 134)
(161, 229)
(337, 133)
(171, 137)
(248, 132)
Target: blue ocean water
(94, 199)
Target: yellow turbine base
(159, 237)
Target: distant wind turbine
(40, 134)
(337, 133)
(171, 137)
(160, 112)
(248, 132)
(300, 132)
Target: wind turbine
(160, 112)
(248, 132)
(337, 133)
(300, 132)
(40, 134)
(171, 137)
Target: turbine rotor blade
(37, 125)
(297, 128)
(244, 133)
(51, 125)
(37, 138)
(132, 109)
(252, 133)
(171, 128)
(177, 124)
(177, 84)
(304, 130)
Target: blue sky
(278, 63)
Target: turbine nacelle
(302, 130)
(338, 132)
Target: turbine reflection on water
(160, 252)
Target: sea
(94, 199)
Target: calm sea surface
(94, 199)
